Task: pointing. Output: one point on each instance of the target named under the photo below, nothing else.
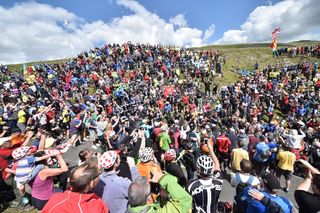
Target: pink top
(42, 189)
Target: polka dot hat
(108, 159)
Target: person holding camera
(205, 190)
(303, 196)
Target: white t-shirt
(237, 178)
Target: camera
(206, 141)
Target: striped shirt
(24, 169)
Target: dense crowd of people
(300, 51)
(160, 136)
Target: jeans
(12, 183)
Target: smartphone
(206, 141)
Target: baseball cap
(271, 182)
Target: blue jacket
(269, 204)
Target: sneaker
(285, 190)
(94, 147)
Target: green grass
(15, 210)
(244, 56)
(18, 67)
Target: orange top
(145, 169)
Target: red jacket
(75, 202)
(223, 144)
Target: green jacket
(164, 140)
(180, 200)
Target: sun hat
(20, 152)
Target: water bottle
(25, 201)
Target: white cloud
(209, 32)
(179, 20)
(32, 31)
(297, 18)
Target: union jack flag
(275, 32)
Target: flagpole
(66, 24)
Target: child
(25, 167)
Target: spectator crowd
(160, 136)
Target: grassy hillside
(244, 56)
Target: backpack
(240, 200)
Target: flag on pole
(275, 33)
(275, 37)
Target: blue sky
(200, 14)
(177, 22)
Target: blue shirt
(301, 111)
(255, 206)
(113, 189)
(261, 149)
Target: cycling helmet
(170, 155)
(146, 154)
(205, 165)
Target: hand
(130, 161)
(256, 194)
(55, 153)
(210, 146)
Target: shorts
(65, 125)
(224, 156)
(39, 204)
(286, 173)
